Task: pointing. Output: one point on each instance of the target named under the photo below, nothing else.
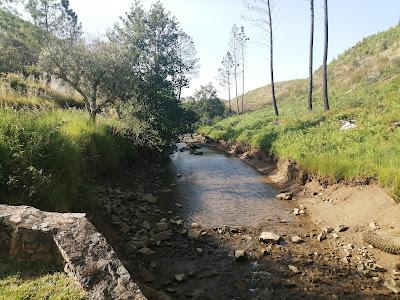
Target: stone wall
(29, 234)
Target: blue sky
(209, 23)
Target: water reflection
(217, 190)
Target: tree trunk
(310, 86)
(229, 95)
(325, 64)
(180, 93)
(236, 87)
(272, 59)
(242, 77)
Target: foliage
(206, 105)
(315, 140)
(151, 41)
(17, 283)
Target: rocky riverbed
(171, 258)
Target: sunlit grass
(19, 281)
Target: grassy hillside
(19, 42)
(364, 89)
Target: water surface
(217, 190)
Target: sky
(209, 23)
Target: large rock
(87, 256)
(269, 237)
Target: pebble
(321, 236)
(180, 277)
(297, 240)
(240, 255)
(294, 269)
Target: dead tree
(325, 63)
(310, 84)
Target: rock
(146, 275)
(149, 198)
(269, 237)
(180, 277)
(294, 269)
(391, 284)
(335, 235)
(161, 226)
(240, 255)
(194, 234)
(199, 250)
(376, 279)
(163, 236)
(178, 175)
(346, 125)
(296, 211)
(373, 226)
(285, 196)
(146, 251)
(153, 264)
(297, 240)
(327, 230)
(341, 228)
(322, 236)
(146, 225)
(194, 225)
(345, 260)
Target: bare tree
(225, 76)
(263, 11)
(310, 86)
(325, 63)
(235, 45)
(243, 43)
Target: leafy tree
(189, 62)
(151, 41)
(225, 76)
(89, 68)
(206, 105)
(55, 17)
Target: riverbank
(360, 205)
(172, 259)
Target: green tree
(151, 42)
(206, 105)
(89, 68)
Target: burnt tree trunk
(271, 44)
(325, 64)
(310, 84)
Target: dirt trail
(143, 223)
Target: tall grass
(48, 159)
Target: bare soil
(177, 267)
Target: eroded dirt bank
(173, 259)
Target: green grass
(314, 140)
(20, 281)
(49, 159)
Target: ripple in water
(216, 190)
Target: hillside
(364, 89)
(374, 59)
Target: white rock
(269, 237)
(180, 277)
(294, 269)
(297, 240)
(194, 234)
